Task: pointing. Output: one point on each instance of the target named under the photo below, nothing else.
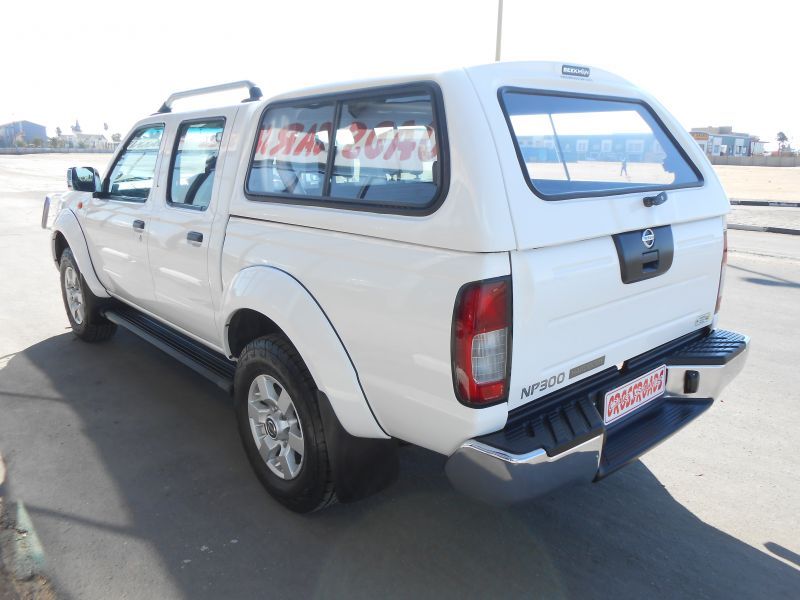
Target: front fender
(67, 224)
(280, 297)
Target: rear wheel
(280, 425)
(82, 306)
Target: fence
(757, 161)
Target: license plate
(633, 395)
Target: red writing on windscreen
(383, 142)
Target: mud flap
(361, 466)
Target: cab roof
(546, 71)
(545, 74)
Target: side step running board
(206, 362)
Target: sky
(709, 62)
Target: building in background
(22, 133)
(89, 141)
(613, 147)
(723, 141)
(757, 147)
(83, 141)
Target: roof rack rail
(253, 89)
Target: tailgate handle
(649, 201)
(650, 262)
(637, 261)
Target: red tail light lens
(722, 270)
(482, 341)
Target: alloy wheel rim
(276, 427)
(74, 293)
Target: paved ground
(766, 216)
(135, 480)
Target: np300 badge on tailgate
(635, 394)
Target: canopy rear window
(573, 146)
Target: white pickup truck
(516, 265)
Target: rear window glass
(376, 151)
(292, 151)
(386, 151)
(573, 146)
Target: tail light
(482, 341)
(722, 270)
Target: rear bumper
(561, 439)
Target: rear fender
(280, 297)
(66, 224)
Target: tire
(82, 306)
(271, 376)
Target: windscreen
(577, 146)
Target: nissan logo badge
(648, 238)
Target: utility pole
(499, 30)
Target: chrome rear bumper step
(561, 438)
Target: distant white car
(518, 266)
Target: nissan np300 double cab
(518, 266)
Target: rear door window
(194, 163)
(579, 146)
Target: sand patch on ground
(760, 183)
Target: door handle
(138, 225)
(195, 237)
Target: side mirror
(84, 179)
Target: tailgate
(619, 222)
(574, 316)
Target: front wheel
(83, 307)
(280, 425)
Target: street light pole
(499, 30)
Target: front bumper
(561, 439)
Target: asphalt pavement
(133, 475)
(783, 217)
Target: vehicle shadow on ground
(168, 446)
(766, 278)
